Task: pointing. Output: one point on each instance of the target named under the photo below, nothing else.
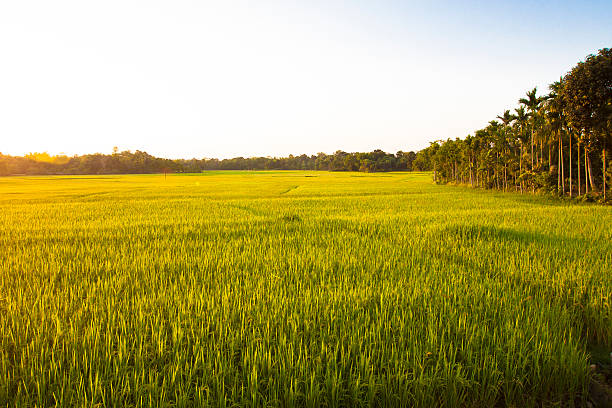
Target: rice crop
(297, 289)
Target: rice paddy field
(288, 289)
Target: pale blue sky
(238, 78)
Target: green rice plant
(296, 289)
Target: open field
(295, 288)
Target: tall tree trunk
(550, 148)
(532, 185)
(471, 168)
(604, 174)
(586, 172)
(521, 167)
(579, 177)
(506, 175)
(558, 164)
(532, 149)
(590, 168)
(497, 169)
(562, 164)
(570, 164)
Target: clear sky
(227, 78)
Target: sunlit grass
(296, 288)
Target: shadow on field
(527, 198)
(463, 233)
(250, 210)
(536, 286)
(537, 200)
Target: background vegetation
(559, 142)
(142, 162)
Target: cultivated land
(295, 288)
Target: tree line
(127, 162)
(559, 142)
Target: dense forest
(559, 142)
(142, 162)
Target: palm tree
(506, 120)
(556, 124)
(521, 120)
(469, 151)
(532, 102)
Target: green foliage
(143, 163)
(587, 93)
(537, 148)
(296, 289)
